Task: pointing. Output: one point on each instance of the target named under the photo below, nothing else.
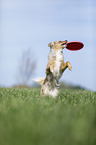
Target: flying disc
(74, 45)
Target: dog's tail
(39, 80)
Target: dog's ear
(51, 44)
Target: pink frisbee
(74, 45)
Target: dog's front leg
(65, 65)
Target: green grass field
(26, 118)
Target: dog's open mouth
(63, 43)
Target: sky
(32, 24)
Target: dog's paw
(51, 69)
(69, 66)
(57, 85)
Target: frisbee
(74, 45)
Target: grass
(26, 118)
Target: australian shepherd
(54, 69)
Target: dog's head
(57, 45)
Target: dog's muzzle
(64, 42)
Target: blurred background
(26, 28)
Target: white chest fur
(59, 58)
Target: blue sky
(33, 24)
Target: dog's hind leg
(66, 65)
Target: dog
(54, 69)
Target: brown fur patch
(52, 64)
